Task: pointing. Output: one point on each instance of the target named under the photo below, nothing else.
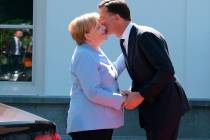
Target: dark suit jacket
(12, 47)
(152, 74)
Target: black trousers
(102, 134)
(15, 62)
(167, 133)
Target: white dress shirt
(125, 36)
(120, 62)
(17, 46)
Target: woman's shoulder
(84, 52)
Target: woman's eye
(98, 28)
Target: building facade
(184, 23)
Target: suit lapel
(131, 49)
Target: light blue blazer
(95, 99)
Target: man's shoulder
(11, 40)
(144, 30)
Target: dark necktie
(124, 51)
(18, 44)
(123, 47)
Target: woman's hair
(81, 25)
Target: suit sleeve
(155, 50)
(10, 46)
(87, 71)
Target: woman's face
(98, 33)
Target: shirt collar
(126, 32)
(16, 38)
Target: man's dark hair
(117, 7)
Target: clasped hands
(132, 99)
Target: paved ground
(139, 138)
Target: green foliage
(26, 41)
(3, 60)
(5, 35)
(15, 21)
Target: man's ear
(117, 17)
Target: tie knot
(122, 41)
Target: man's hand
(133, 99)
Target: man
(155, 90)
(15, 49)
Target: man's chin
(105, 37)
(109, 33)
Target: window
(37, 26)
(16, 37)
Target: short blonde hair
(81, 25)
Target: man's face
(19, 34)
(107, 19)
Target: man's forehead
(104, 12)
(104, 9)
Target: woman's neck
(93, 44)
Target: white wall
(197, 56)
(184, 23)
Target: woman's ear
(87, 36)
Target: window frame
(35, 87)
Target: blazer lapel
(131, 49)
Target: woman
(96, 104)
